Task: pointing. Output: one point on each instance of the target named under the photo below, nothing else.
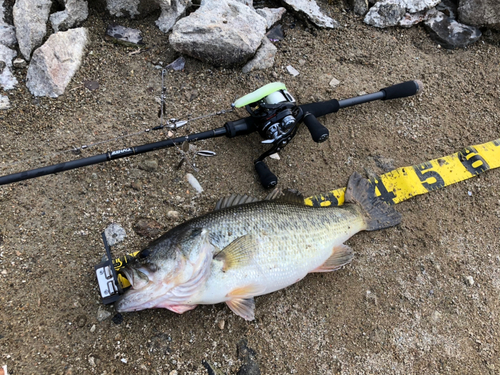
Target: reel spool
(277, 117)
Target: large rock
(271, 15)
(264, 58)
(30, 21)
(311, 10)
(450, 33)
(171, 11)
(75, 12)
(7, 32)
(480, 13)
(220, 32)
(55, 63)
(7, 79)
(132, 8)
(387, 13)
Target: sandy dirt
(403, 306)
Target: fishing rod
(274, 113)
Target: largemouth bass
(241, 251)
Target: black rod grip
(402, 90)
(318, 132)
(321, 108)
(267, 178)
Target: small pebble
(149, 165)
(92, 329)
(173, 214)
(294, 72)
(194, 182)
(469, 280)
(115, 234)
(102, 314)
(334, 82)
(222, 323)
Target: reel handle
(319, 132)
(267, 178)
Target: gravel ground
(421, 297)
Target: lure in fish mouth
(246, 248)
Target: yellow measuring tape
(403, 183)
(406, 182)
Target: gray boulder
(132, 8)
(264, 58)
(271, 15)
(7, 32)
(387, 13)
(480, 13)
(220, 32)
(75, 12)
(171, 11)
(311, 10)
(55, 63)
(30, 21)
(450, 33)
(7, 79)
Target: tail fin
(377, 214)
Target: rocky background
(80, 79)
(47, 35)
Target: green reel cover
(259, 94)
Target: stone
(480, 13)
(114, 234)
(385, 13)
(311, 10)
(19, 63)
(360, 7)
(263, 59)
(55, 63)
(30, 21)
(219, 32)
(123, 35)
(102, 314)
(74, 13)
(4, 103)
(147, 227)
(7, 32)
(271, 15)
(149, 165)
(449, 33)
(171, 11)
(132, 8)
(7, 80)
(414, 6)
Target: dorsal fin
(234, 200)
(286, 196)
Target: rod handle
(267, 178)
(319, 132)
(402, 90)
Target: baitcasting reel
(277, 117)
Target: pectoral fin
(238, 253)
(244, 307)
(341, 255)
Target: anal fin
(244, 307)
(341, 255)
(179, 309)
